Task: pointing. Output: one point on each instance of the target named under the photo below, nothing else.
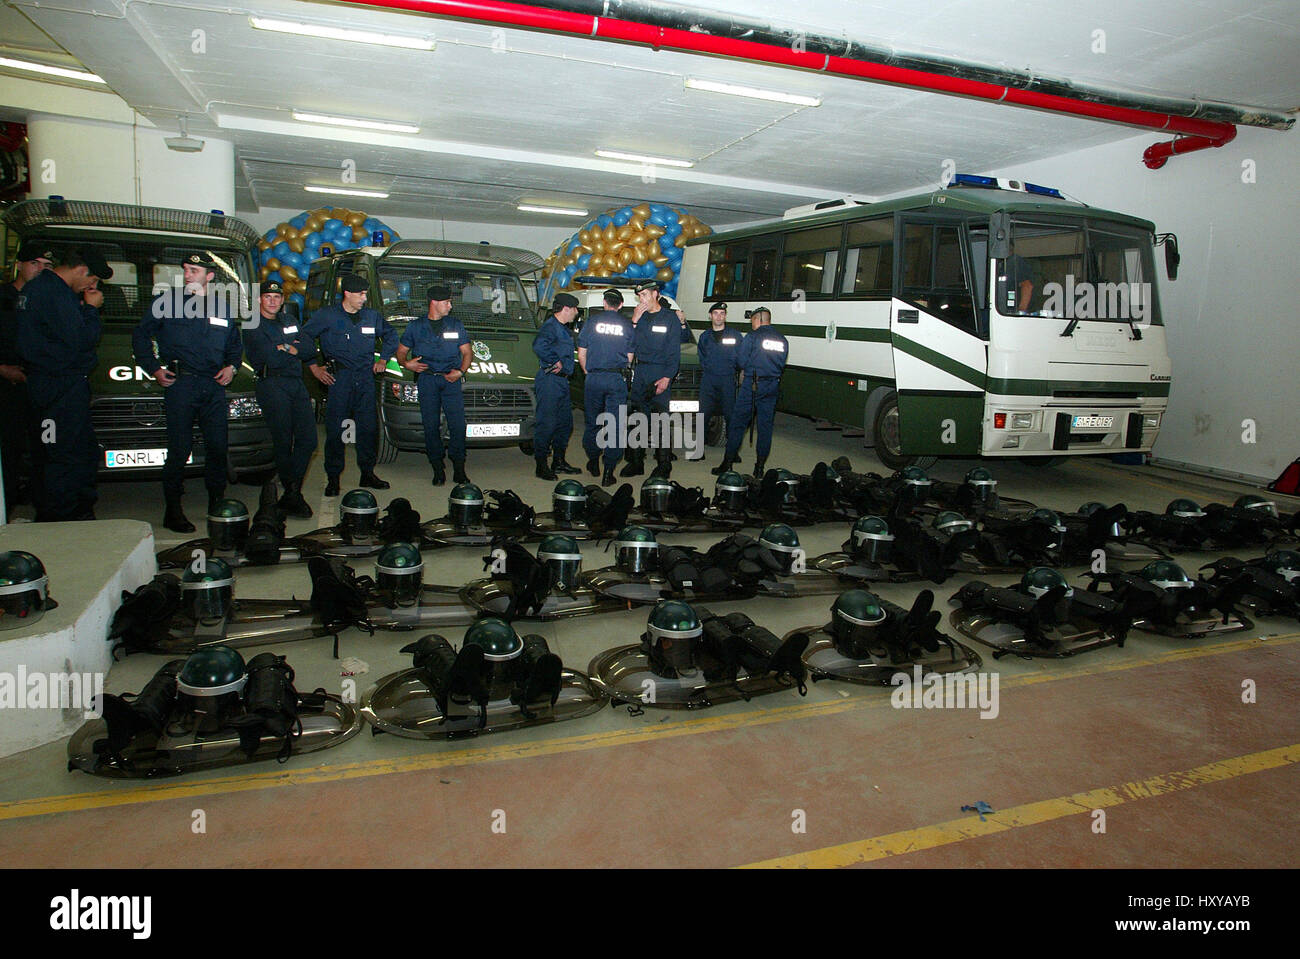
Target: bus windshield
(1097, 270)
(479, 297)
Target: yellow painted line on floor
(505, 752)
(1031, 814)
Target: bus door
(939, 338)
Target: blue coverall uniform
(607, 338)
(761, 359)
(437, 343)
(658, 348)
(553, 343)
(56, 339)
(718, 351)
(281, 392)
(15, 424)
(202, 338)
(349, 340)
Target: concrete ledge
(89, 564)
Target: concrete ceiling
(509, 116)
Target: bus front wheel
(885, 429)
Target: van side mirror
(1000, 235)
(1172, 256)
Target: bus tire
(387, 451)
(884, 429)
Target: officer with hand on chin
(436, 348)
(553, 345)
(347, 333)
(198, 351)
(15, 428)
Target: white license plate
(1093, 422)
(482, 430)
(137, 459)
(683, 406)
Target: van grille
(487, 400)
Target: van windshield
(479, 297)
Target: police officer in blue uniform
(605, 354)
(347, 333)
(762, 359)
(276, 351)
(198, 351)
(436, 348)
(58, 327)
(657, 345)
(553, 345)
(718, 347)
(15, 425)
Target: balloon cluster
(288, 249)
(642, 242)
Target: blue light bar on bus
(996, 183)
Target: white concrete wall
(1231, 314)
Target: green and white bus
(989, 318)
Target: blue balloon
(280, 249)
(622, 217)
(312, 241)
(270, 235)
(672, 228)
(274, 275)
(299, 299)
(666, 243)
(573, 245)
(331, 224)
(583, 260)
(604, 220)
(660, 208)
(299, 221)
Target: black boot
(174, 518)
(439, 474)
(368, 478)
(727, 463)
(214, 502)
(635, 464)
(332, 486)
(593, 466)
(543, 471)
(608, 479)
(758, 468)
(558, 465)
(458, 474)
(663, 464)
(292, 502)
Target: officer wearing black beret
(554, 348)
(436, 348)
(15, 426)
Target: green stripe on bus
(939, 361)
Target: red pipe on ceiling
(1194, 134)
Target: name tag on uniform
(451, 336)
(368, 330)
(776, 346)
(729, 341)
(291, 329)
(218, 321)
(659, 329)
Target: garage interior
(1187, 747)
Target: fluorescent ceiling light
(339, 33)
(638, 158)
(342, 192)
(83, 75)
(562, 211)
(350, 122)
(693, 83)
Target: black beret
(646, 285)
(198, 258)
(562, 300)
(35, 251)
(718, 306)
(271, 287)
(437, 292)
(355, 283)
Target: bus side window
(726, 273)
(869, 259)
(933, 275)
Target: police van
(144, 246)
(488, 297)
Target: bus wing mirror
(1000, 235)
(291, 310)
(1172, 256)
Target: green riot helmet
(1166, 574)
(563, 560)
(465, 506)
(228, 525)
(789, 484)
(673, 630)
(1092, 506)
(856, 615)
(359, 515)
(870, 539)
(1184, 509)
(1251, 501)
(569, 501)
(501, 647)
(981, 483)
(655, 492)
(951, 522)
(1040, 579)
(24, 589)
(917, 479)
(208, 592)
(783, 543)
(1283, 562)
(399, 569)
(212, 671)
(1052, 521)
(635, 550)
(829, 473)
(729, 492)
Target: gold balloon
(624, 258)
(637, 224)
(642, 210)
(610, 234)
(263, 245)
(272, 264)
(640, 255)
(664, 275)
(297, 244)
(625, 231)
(288, 272)
(659, 260)
(597, 247)
(282, 230)
(289, 234)
(359, 232)
(584, 237)
(609, 261)
(680, 240)
(653, 231)
(264, 273)
(313, 224)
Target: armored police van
(144, 246)
(488, 297)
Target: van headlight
(1151, 421)
(244, 407)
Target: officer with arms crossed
(761, 360)
(347, 333)
(718, 349)
(198, 350)
(604, 353)
(553, 345)
(15, 425)
(276, 352)
(58, 327)
(657, 345)
(437, 349)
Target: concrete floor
(1154, 735)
